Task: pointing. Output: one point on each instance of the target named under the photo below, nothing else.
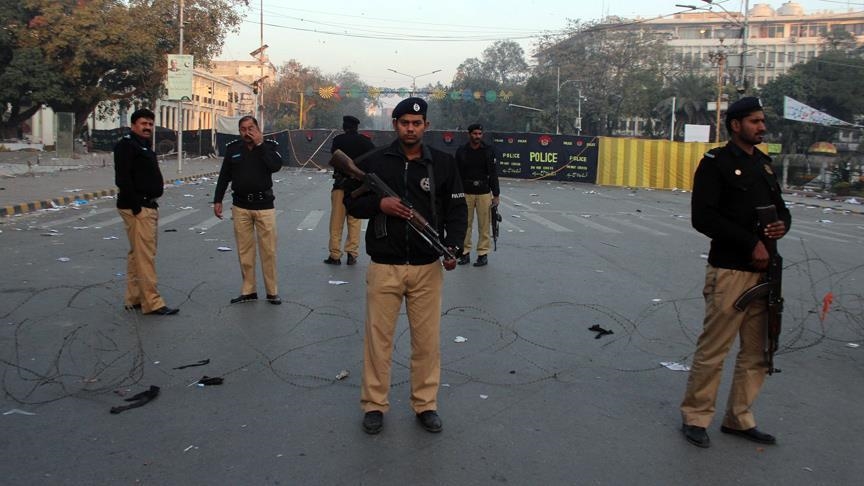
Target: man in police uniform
(140, 184)
(354, 145)
(404, 267)
(249, 166)
(730, 182)
(478, 167)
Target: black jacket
(479, 169)
(137, 174)
(354, 145)
(728, 186)
(250, 174)
(399, 244)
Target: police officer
(140, 184)
(478, 166)
(249, 165)
(403, 266)
(354, 145)
(730, 182)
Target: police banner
(557, 157)
(178, 81)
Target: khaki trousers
(141, 229)
(722, 324)
(386, 285)
(247, 224)
(338, 216)
(481, 203)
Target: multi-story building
(776, 40)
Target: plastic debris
(209, 381)
(672, 365)
(64, 259)
(484, 397)
(337, 282)
(138, 400)
(224, 248)
(171, 230)
(200, 363)
(460, 339)
(342, 375)
(853, 345)
(826, 221)
(79, 202)
(703, 256)
(656, 300)
(852, 200)
(110, 238)
(190, 448)
(17, 411)
(600, 331)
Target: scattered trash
(586, 216)
(809, 469)
(534, 194)
(224, 248)
(852, 200)
(156, 362)
(656, 300)
(460, 339)
(209, 381)
(171, 230)
(64, 259)
(826, 305)
(190, 448)
(110, 238)
(853, 345)
(188, 195)
(826, 221)
(484, 397)
(827, 210)
(516, 216)
(79, 202)
(512, 372)
(590, 192)
(200, 363)
(600, 331)
(138, 400)
(52, 232)
(342, 375)
(80, 227)
(17, 411)
(672, 365)
(186, 207)
(337, 282)
(703, 256)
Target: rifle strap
(430, 170)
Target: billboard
(179, 78)
(557, 157)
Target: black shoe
(132, 307)
(481, 261)
(464, 259)
(753, 434)
(430, 421)
(245, 298)
(274, 299)
(373, 422)
(164, 311)
(696, 435)
(352, 260)
(333, 261)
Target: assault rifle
(768, 288)
(496, 220)
(371, 182)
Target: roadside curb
(27, 207)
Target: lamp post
(530, 108)
(558, 85)
(413, 77)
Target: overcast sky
(418, 37)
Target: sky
(370, 37)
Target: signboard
(179, 78)
(556, 157)
(697, 133)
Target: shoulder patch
(270, 140)
(709, 155)
(127, 136)
(232, 142)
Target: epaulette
(270, 140)
(128, 136)
(232, 142)
(709, 155)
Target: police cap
(350, 122)
(410, 106)
(743, 107)
(475, 126)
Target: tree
(692, 93)
(89, 51)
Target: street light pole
(413, 77)
(558, 85)
(180, 103)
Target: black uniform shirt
(354, 145)
(250, 174)
(478, 169)
(136, 173)
(728, 186)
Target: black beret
(743, 107)
(410, 106)
(475, 126)
(349, 121)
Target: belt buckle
(250, 197)
(476, 183)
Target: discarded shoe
(753, 434)
(333, 261)
(373, 422)
(352, 260)
(245, 298)
(164, 311)
(464, 259)
(696, 435)
(481, 261)
(430, 421)
(274, 299)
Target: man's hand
(392, 206)
(217, 210)
(775, 230)
(450, 263)
(494, 201)
(760, 256)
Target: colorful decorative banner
(797, 111)
(438, 94)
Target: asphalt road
(530, 398)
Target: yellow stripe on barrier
(657, 164)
